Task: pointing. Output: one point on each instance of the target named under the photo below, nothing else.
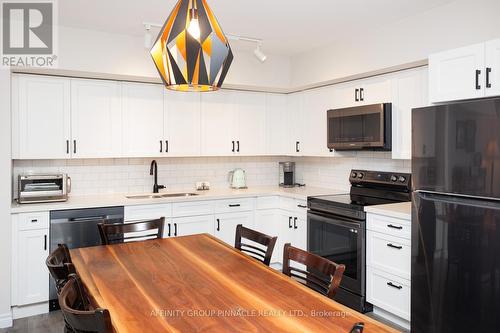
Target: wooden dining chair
(60, 266)
(113, 233)
(78, 311)
(322, 275)
(263, 255)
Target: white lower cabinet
(225, 225)
(267, 222)
(30, 277)
(192, 225)
(388, 264)
(388, 292)
(149, 212)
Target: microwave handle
(68, 185)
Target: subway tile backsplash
(106, 176)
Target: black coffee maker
(287, 174)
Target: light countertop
(109, 200)
(400, 210)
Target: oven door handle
(336, 220)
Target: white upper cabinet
(251, 131)
(492, 75)
(41, 117)
(294, 116)
(457, 74)
(182, 123)
(361, 92)
(143, 120)
(277, 125)
(409, 92)
(96, 118)
(218, 123)
(375, 90)
(315, 105)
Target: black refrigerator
(455, 285)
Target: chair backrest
(322, 275)
(260, 254)
(60, 265)
(77, 311)
(121, 232)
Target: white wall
(100, 52)
(5, 199)
(456, 24)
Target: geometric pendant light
(191, 53)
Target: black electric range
(336, 227)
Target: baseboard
(392, 318)
(30, 310)
(6, 320)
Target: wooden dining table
(200, 284)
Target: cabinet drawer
(143, 212)
(194, 208)
(234, 205)
(294, 205)
(389, 225)
(388, 253)
(33, 221)
(388, 292)
(271, 202)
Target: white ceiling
(286, 26)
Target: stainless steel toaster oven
(43, 188)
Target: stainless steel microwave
(367, 127)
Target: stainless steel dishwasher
(78, 228)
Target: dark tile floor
(46, 323)
(53, 323)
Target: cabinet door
(182, 123)
(294, 114)
(96, 118)
(375, 90)
(278, 132)
(225, 225)
(452, 74)
(33, 276)
(41, 117)
(315, 105)
(267, 222)
(251, 136)
(493, 67)
(143, 114)
(218, 123)
(346, 95)
(409, 91)
(185, 226)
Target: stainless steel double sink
(160, 196)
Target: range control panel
(380, 178)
